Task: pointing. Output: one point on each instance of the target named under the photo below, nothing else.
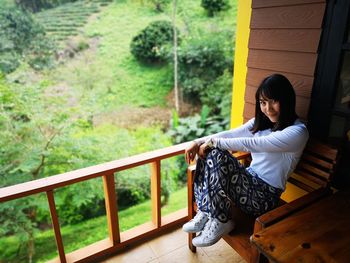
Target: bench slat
(312, 159)
(312, 178)
(313, 170)
(300, 184)
(322, 150)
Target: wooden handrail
(56, 181)
(116, 240)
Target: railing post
(56, 226)
(190, 194)
(155, 193)
(111, 208)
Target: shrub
(193, 127)
(201, 61)
(18, 29)
(214, 6)
(9, 61)
(147, 45)
(82, 45)
(132, 189)
(21, 36)
(218, 95)
(40, 55)
(159, 5)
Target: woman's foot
(196, 224)
(212, 232)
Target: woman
(275, 138)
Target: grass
(85, 233)
(114, 77)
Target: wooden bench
(309, 182)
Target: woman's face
(271, 108)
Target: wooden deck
(173, 247)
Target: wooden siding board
(245, 120)
(284, 39)
(271, 3)
(297, 16)
(249, 111)
(302, 40)
(292, 62)
(302, 84)
(302, 104)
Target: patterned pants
(220, 179)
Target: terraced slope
(65, 21)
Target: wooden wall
(284, 38)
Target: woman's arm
(241, 131)
(291, 139)
(191, 151)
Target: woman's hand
(202, 152)
(191, 151)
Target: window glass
(337, 127)
(343, 92)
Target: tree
(202, 60)
(176, 87)
(21, 36)
(214, 6)
(148, 44)
(27, 135)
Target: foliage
(20, 37)
(47, 149)
(18, 29)
(214, 6)
(89, 231)
(9, 61)
(41, 52)
(202, 61)
(159, 5)
(218, 95)
(197, 126)
(193, 127)
(132, 189)
(147, 45)
(25, 143)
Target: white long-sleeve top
(274, 154)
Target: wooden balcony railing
(116, 240)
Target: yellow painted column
(240, 64)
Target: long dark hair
(276, 87)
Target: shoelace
(209, 227)
(201, 218)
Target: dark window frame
(331, 48)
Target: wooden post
(56, 226)
(191, 212)
(111, 208)
(155, 193)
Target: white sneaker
(196, 224)
(212, 232)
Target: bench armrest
(241, 155)
(287, 209)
